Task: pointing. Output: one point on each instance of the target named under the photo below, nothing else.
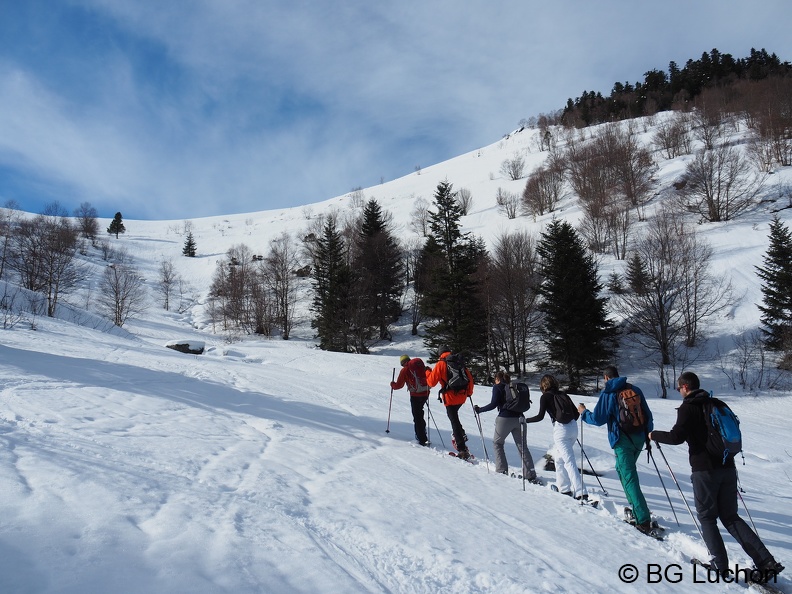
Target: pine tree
(637, 276)
(447, 278)
(776, 275)
(576, 328)
(116, 225)
(379, 266)
(332, 282)
(189, 249)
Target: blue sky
(169, 109)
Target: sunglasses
(679, 388)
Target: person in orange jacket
(413, 374)
(452, 399)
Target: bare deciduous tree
(9, 219)
(357, 198)
(671, 288)
(87, 221)
(280, 265)
(513, 306)
(412, 253)
(513, 167)
(419, 216)
(707, 124)
(543, 191)
(673, 135)
(508, 203)
(720, 184)
(465, 200)
(168, 282)
(43, 253)
(122, 293)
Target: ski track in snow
(263, 465)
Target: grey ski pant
(505, 426)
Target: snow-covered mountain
(265, 466)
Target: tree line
(714, 74)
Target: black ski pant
(452, 410)
(716, 498)
(417, 403)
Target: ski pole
(580, 441)
(594, 472)
(673, 476)
(431, 416)
(649, 453)
(524, 442)
(387, 428)
(478, 422)
(739, 492)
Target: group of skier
(623, 408)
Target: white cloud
(210, 105)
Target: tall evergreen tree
(116, 225)
(576, 328)
(332, 282)
(379, 266)
(776, 275)
(447, 278)
(189, 248)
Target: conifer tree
(189, 249)
(776, 275)
(116, 225)
(576, 328)
(379, 265)
(637, 275)
(332, 282)
(447, 278)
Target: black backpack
(457, 377)
(565, 410)
(518, 397)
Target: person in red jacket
(413, 374)
(453, 399)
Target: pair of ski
(712, 576)
(587, 501)
(471, 458)
(655, 531)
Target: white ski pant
(568, 477)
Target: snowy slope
(265, 466)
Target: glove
(393, 385)
(476, 409)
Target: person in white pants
(564, 415)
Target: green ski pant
(627, 450)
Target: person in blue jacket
(626, 445)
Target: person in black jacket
(568, 479)
(714, 483)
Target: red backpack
(416, 376)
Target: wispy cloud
(182, 109)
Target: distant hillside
(714, 75)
